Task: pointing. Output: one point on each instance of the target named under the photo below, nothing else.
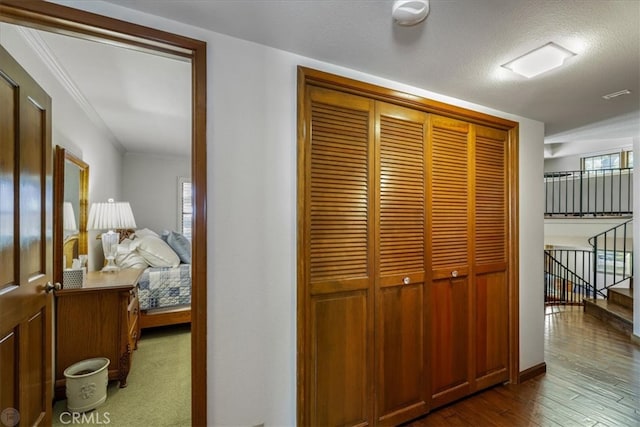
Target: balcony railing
(606, 192)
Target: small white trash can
(87, 384)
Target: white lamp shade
(68, 218)
(110, 216)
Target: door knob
(406, 280)
(454, 273)
(50, 287)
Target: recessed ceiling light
(539, 60)
(615, 94)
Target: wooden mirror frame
(64, 20)
(62, 157)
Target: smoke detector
(410, 12)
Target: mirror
(71, 204)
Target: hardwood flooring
(592, 379)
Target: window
(629, 159)
(617, 262)
(605, 161)
(185, 207)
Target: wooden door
(491, 258)
(336, 274)
(401, 392)
(449, 290)
(25, 247)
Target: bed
(164, 288)
(164, 294)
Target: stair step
(622, 296)
(616, 315)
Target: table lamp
(110, 216)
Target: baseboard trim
(532, 372)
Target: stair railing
(613, 257)
(565, 271)
(604, 192)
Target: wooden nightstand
(98, 320)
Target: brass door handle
(51, 287)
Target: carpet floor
(158, 391)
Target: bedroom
(148, 175)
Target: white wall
(252, 222)
(150, 185)
(72, 129)
(575, 233)
(560, 164)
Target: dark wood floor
(592, 379)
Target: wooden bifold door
(405, 280)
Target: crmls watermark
(10, 417)
(96, 418)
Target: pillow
(126, 257)
(180, 245)
(146, 232)
(155, 251)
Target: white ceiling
(144, 99)
(457, 51)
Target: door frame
(68, 21)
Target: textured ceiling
(457, 51)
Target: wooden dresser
(98, 320)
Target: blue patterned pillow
(180, 244)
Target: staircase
(616, 310)
(600, 278)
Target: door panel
(8, 377)
(401, 393)
(448, 339)
(449, 195)
(490, 197)
(451, 281)
(25, 209)
(32, 185)
(7, 182)
(338, 280)
(492, 302)
(491, 329)
(400, 349)
(339, 349)
(32, 376)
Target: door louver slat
(490, 199)
(339, 192)
(449, 197)
(401, 196)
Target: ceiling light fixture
(539, 60)
(410, 12)
(615, 94)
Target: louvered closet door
(339, 259)
(449, 293)
(492, 298)
(401, 392)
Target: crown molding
(41, 48)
